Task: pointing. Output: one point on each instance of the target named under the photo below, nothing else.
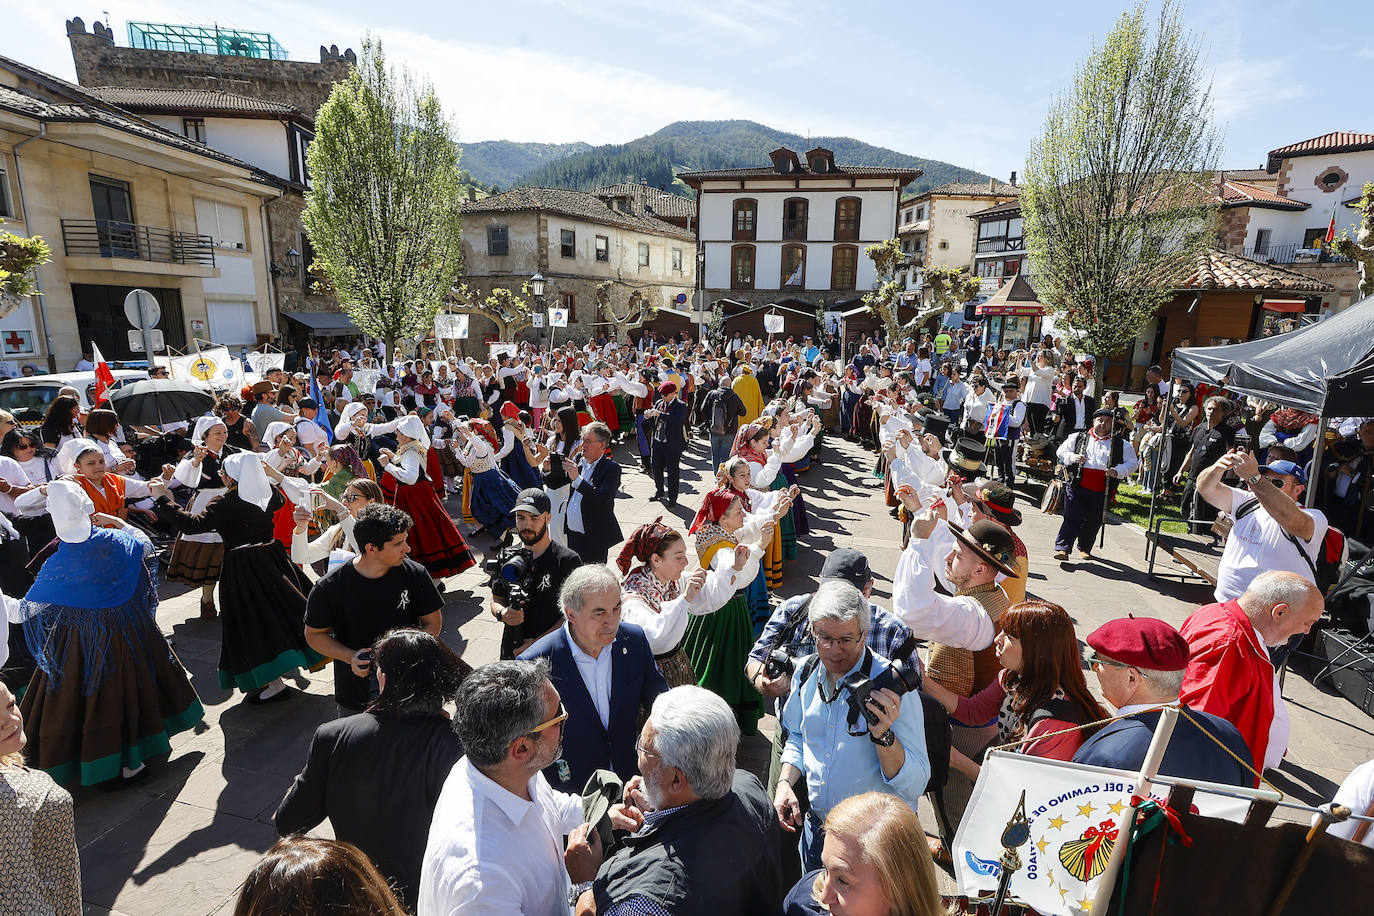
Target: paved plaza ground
(182, 841)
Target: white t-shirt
(1257, 544)
(1355, 793)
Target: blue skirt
(493, 497)
(756, 597)
(799, 520)
(518, 469)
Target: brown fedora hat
(990, 541)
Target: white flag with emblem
(558, 318)
(1073, 812)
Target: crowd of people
(592, 768)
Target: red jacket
(1229, 673)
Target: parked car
(28, 398)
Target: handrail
(105, 238)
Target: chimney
(1013, 178)
(644, 182)
(992, 184)
(472, 193)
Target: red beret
(667, 388)
(1141, 642)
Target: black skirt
(262, 609)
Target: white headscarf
(246, 469)
(344, 428)
(414, 428)
(274, 431)
(204, 425)
(71, 510)
(73, 449)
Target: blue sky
(936, 79)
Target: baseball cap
(533, 500)
(848, 564)
(1286, 467)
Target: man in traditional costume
(1094, 458)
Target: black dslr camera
(511, 574)
(778, 663)
(899, 677)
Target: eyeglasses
(1096, 661)
(25, 445)
(844, 642)
(350, 497)
(556, 720)
(641, 749)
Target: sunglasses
(1096, 661)
(556, 720)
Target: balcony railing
(1001, 243)
(794, 228)
(1293, 254)
(103, 238)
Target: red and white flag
(1331, 228)
(104, 378)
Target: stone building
(125, 203)
(576, 240)
(934, 227)
(792, 235)
(255, 106)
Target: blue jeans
(811, 842)
(720, 449)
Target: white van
(28, 398)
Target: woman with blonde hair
(874, 863)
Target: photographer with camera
(873, 741)
(525, 579)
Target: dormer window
(785, 161)
(820, 160)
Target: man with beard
(703, 833)
(493, 844)
(551, 566)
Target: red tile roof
(1243, 194)
(1217, 269)
(1340, 141)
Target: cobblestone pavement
(182, 841)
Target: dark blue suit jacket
(587, 744)
(669, 432)
(598, 504)
(1122, 745)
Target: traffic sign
(142, 310)
(537, 319)
(136, 339)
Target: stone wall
(302, 84)
(1235, 223)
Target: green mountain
(500, 163)
(689, 145)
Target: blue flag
(321, 415)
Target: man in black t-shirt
(553, 563)
(376, 591)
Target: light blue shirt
(575, 522)
(596, 674)
(838, 765)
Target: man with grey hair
(494, 840)
(1230, 673)
(884, 755)
(703, 835)
(592, 526)
(605, 671)
(1140, 663)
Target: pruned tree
(715, 325)
(20, 256)
(1361, 248)
(623, 306)
(884, 301)
(1118, 184)
(510, 311)
(950, 288)
(382, 210)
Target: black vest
(711, 858)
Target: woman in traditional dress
(600, 384)
(467, 400)
(285, 457)
(660, 597)
(354, 429)
(109, 692)
(434, 540)
(493, 494)
(735, 474)
(357, 495)
(718, 644)
(197, 557)
(518, 456)
(751, 444)
(564, 442)
(261, 592)
(83, 461)
(793, 441)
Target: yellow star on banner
(1117, 807)
(1063, 891)
(1085, 904)
(1086, 810)
(1057, 823)
(1042, 845)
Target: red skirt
(603, 405)
(434, 540)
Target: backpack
(719, 418)
(1326, 572)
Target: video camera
(899, 677)
(511, 572)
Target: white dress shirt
(596, 675)
(959, 620)
(491, 853)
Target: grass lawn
(1134, 506)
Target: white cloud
(1240, 86)
(1365, 53)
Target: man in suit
(605, 672)
(669, 414)
(592, 527)
(1140, 663)
(1075, 413)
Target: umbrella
(153, 402)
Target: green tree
(382, 211)
(20, 256)
(1118, 184)
(715, 325)
(1361, 248)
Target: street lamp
(537, 288)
